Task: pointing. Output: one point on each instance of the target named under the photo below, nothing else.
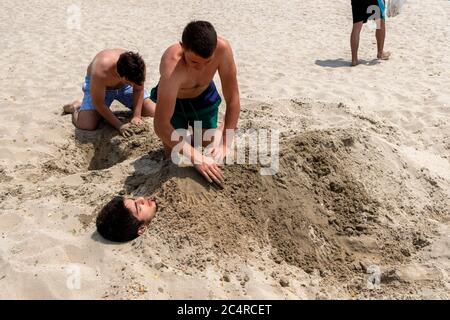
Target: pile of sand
(364, 184)
(322, 213)
(346, 201)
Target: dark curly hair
(131, 66)
(200, 37)
(116, 223)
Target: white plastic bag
(393, 7)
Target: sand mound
(317, 213)
(345, 203)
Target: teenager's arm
(97, 91)
(138, 100)
(230, 89)
(165, 107)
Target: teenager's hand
(125, 130)
(137, 121)
(210, 170)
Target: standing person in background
(364, 10)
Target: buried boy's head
(124, 219)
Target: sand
(358, 209)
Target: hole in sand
(102, 149)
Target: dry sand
(364, 184)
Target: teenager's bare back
(103, 68)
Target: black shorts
(362, 10)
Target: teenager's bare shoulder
(222, 42)
(223, 47)
(170, 61)
(104, 60)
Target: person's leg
(85, 119)
(148, 108)
(354, 41)
(380, 35)
(70, 108)
(84, 115)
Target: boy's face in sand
(196, 62)
(143, 209)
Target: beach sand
(359, 208)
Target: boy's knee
(86, 120)
(90, 126)
(358, 26)
(148, 109)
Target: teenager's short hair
(200, 37)
(131, 66)
(115, 222)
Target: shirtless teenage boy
(186, 92)
(114, 74)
